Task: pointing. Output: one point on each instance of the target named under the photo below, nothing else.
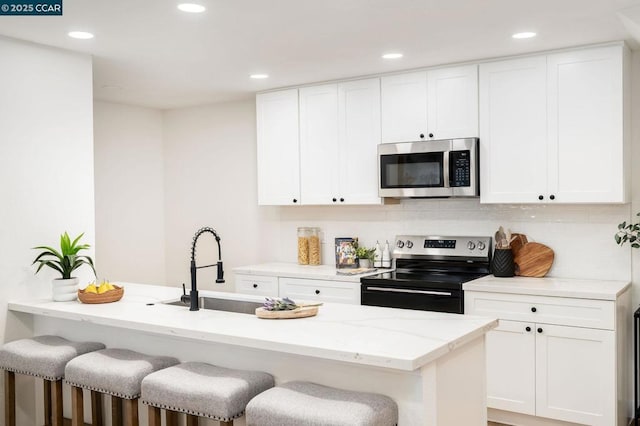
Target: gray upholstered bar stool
(310, 404)
(116, 372)
(201, 390)
(44, 357)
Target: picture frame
(345, 249)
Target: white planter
(365, 263)
(65, 290)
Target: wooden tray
(106, 297)
(305, 311)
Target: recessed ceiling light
(82, 35)
(526, 34)
(259, 76)
(191, 7)
(392, 55)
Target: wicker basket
(106, 297)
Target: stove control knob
(400, 244)
(471, 245)
(481, 245)
(409, 244)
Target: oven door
(406, 296)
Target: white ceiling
(148, 53)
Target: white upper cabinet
(513, 130)
(359, 136)
(552, 128)
(404, 107)
(586, 125)
(452, 102)
(277, 149)
(339, 135)
(319, 143)
(434, 104)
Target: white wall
(210, 180)
(129, 184)
(46, 172)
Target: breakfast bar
(432, 364)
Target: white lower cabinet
(554, 357)
(322, 290)
(257, 285)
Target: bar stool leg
(130, 410)
(96, 408)
(192, 420)
(116, 411)
(9, 398)
(171, 417)
(56, 403)
(77, 408)
(47, 402)
(154, 416)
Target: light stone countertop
(396, 339)
(558, 287)
(293, 270)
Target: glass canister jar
(314, 246)
(303, 245)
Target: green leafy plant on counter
(67, 259)
(365, 253)
(628, 232)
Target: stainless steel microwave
(432, 168)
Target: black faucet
(193, 295)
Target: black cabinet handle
(430, 135)
(317, 291)
(528, 329)
(533, 309)
(334, 200)
(539, 330)
(295, 200)
(255, 285)
(421, 135)
(540, 197)
(342, 200)
(553, 197)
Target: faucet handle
(184, 290)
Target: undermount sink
(216, 304)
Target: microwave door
(415, 174)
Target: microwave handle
(445, 167)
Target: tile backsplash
(580, 235)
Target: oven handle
(404, 290)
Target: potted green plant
(628, 232)
(365, 256)
(65, 262)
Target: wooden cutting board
(533, 260)
(306, 311)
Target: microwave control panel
(459, 168)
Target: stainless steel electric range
(429, 273)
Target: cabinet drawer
(542, 309)
(257, 284)
(328, 291)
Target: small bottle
(386, 256)
(377, 256)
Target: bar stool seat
(44, 357)
(116, 372)
(311, 404)
(202, 390)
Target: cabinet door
(277, 150)
(586, 155)
(319, 144)
(576, 374)
(257, 285)
(513, 131)
(452, 101)
(404, 107)
(322, 290)
(511, 367)
(359, 136)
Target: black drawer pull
(528, 329)
(255, 285)
(539, 330)
(533, 309)
(317, 291)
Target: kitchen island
(431, 364)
